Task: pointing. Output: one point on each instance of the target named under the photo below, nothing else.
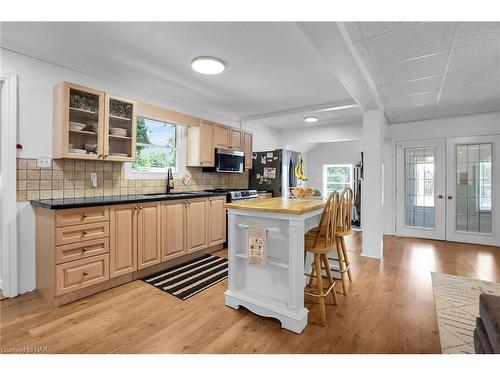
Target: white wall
(344, 152)
(36, 81)
(264, 138)
(459, 126)
(316, 134)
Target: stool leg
(319, 280)
(344, 250)
(341, 264)
(324, 257)
(313, 275)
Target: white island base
(277, 289)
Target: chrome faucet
(170, 178)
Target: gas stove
(233, 195)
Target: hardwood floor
(389, 309)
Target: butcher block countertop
(279, 205)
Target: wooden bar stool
(344, 228)
(320, 241)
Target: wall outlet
(44, 162)
(93, 179)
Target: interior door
(472, 196)
(420, 189)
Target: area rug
(457, 305)
(187, 279)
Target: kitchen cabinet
(196, 224)
(173, 232)
(82, 251)
(247, 148)
(120, 122)
(235, 139)
(207, 154)
(148, 234)
(221, 136)
(216, 221)
(83, 119)
(123, 239)
(200, 145)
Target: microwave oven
(229, 161)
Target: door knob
(440, 196)
(450, 197)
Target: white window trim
(130, 174)
(325, 166)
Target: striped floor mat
(187, 279)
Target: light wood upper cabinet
(216, 221)
(148, 234)
(173, 232)
(82, 119)
(122, 239)
(235, 142)
(221, 136)
(200, 152)
(196, 224)
(78, 120)
(120, 123)
(247, 148)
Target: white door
(472, 196)
(420, 189)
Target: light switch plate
(44, 162)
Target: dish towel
(257, 245)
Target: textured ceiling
(426, 70)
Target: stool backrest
(344, 220)
(328, 221)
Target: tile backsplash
(71, 179)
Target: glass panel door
(420, 189)
(471, 193)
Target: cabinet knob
(84, 249)
(440, 196)
(84, 232)
(84, 216)
(450, 196)
(140, 207)
(85, 274)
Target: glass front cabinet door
(92, 125)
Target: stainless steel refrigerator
(274, 171)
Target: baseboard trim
(112, 283)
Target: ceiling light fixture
(310, 119)
(208, 65)
(339, 107)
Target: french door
(420, 189)
(446, 189)
(472, 196)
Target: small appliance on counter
(276, 171)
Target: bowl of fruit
(302, 193)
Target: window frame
(324, 177)
(181, 155)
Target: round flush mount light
(208, 65)
(310, 119)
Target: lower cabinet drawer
(82, 273)
(84, 232)
(80, 250)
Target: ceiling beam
(333, 43)
(332, 106)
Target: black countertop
(57, 204)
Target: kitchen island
(276, 289)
